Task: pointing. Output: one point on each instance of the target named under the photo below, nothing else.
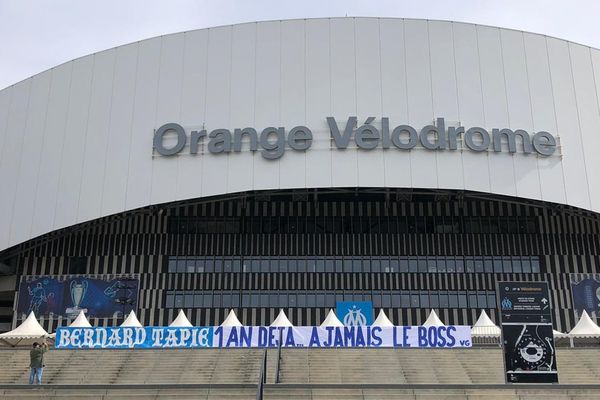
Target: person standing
(36, 356)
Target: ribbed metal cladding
(565, 240)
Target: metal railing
(278, 365)
(262, 377)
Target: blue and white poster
(439, 337)
(355, 313)
(97, 296)
(43, 296)
(586, 293)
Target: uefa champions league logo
(355, 317)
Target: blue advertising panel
(586, 293)
(159, 337)
(100, 298)
(43, 296)
(97, 296)
(355, 313)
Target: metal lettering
(544, 143)
(272, 150)
(484, 137)
(300, 138)
(159, 136)
(368, 136)
(412, 137)
(341, 141)
(511, 140)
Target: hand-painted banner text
(263, 336)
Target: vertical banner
(355, 313)
(528, 341)
(585, 289)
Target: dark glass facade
(301, 298)
(460, 264)
(406, 251)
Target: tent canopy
(485, 327)
(231, 320)
(585, 327)
(281, 320)
(27, 333)
(382, 320)
(80, 322)
(181, 321)
(331, 320)
(433, 320)
(558, 334)
(131, 321)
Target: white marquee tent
(485, 327)
(131, 321)
(585, 328)
(281, 320)
(433, 320)
(382, 320)
(27, 333)
(558, 334)
(231, 320)
(331, 320)
(81, 321)
(181, 321)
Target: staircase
(106, 367)
(385, 366)
(304, 374)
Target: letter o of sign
(158, 139)
(484, 139)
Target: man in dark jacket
(37, 362)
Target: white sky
(38, 34)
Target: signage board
(527, 338)
(171, 138)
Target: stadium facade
(294, 164)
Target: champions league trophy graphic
(78, 291)
(355, 317)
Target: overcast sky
(38, 34)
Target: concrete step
(136, 366)
(413, 366)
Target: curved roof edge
(7, 252)
(290, 20)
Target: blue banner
(355, 313)
(586, 293)
(264, 337)
(43, 296)
(98, 297)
